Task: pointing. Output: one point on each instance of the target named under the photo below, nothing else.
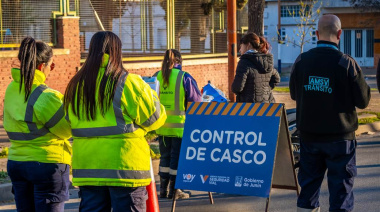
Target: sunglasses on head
(52, 65)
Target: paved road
(367, 190)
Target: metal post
(1, 24)
(267, 204)
(279, 56)
(279, 37)
(232, 42)
(174, 201)
(120, 19)
(210, 197)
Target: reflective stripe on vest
(111, 174)
(120, 127)
(153, 118)
(176, 111)
(34, 131)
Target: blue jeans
(39, 186)
(170, 148)
(339, 159)
(120, 199)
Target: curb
(6, 189)
(6, 192)
(365, 128)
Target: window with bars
(347, 41)
(358, 43)
(370, 43)
(152, 26)
(26, 18)
(141, 25)
(293, 10)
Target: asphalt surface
(366, 190)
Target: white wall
(289, 51)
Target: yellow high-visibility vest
(172, 96)
(36, 128)
(111, 150)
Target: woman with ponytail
(34, 119)
(177, 88)
(255, 76)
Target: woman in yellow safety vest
(110, 111)
(34, 119)
(176, 89)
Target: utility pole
(232, 45)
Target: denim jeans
(120, 199)
(339, 159)
(40, 187)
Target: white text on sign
(234, 138)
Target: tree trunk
(256, 16)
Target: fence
(146, 27)
(19, 18)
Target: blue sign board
(229, 148)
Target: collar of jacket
(327, 42)
(39, 76)
(251, 51)
(178, 66)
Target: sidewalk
(367, 191)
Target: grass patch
(4, 152)
(281, 89)
(368, 120)
(374, 89)
(4, 177)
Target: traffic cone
(152, 202)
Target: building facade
(360, 37)
(198, 28)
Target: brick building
(202, 43)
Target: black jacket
(255, 78)
(327, 86)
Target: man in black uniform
(327, 86)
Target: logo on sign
(204, 178)
(238, 181)
(188, 178)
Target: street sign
(236, 148)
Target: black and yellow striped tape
(234, 109)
